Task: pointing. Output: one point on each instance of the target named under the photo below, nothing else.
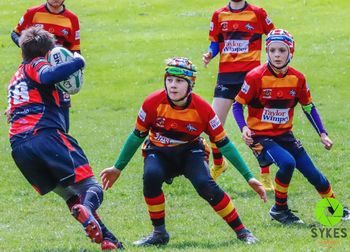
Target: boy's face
(176, 87)
(278, 54)
(55, 3)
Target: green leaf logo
(324, 216)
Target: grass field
(125, 44)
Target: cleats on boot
(246, 236)
(90, 224)
(154, 238)
(109, 245)
(266, 181)
(286, 217)
(216, 170)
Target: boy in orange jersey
(173, 119)
(235, 33)
(271, 91)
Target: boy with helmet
(271, 91)
(173, 119)
(235, 34)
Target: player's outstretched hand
(206, 58)
(109, 176)
(258, 187)
(78, 55)
(247, 136)
(326, 141)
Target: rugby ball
(74, 83)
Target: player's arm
(237, 111)
(229, 150)
(54, 74)
(111, 174)
(15, 37)
(314, 118)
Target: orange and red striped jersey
(168, 126)
(64, 25)
(239, 34)
(271, 99)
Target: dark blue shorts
(263, 143)
(51, 158)
(228, 85)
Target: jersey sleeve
(248, 89)
(304, 95)
(24, 22)
(214, 28)
(266, 22)
(214, 128)
(145, 117)
(75, 35)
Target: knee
(287, 164)
(152, 176)
(208, 190)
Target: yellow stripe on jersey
(248, 16)
(273, 82)
(250, 56)
(190, 115)
(140, 127)
(228, 209)
(48, 18)
(156, 208)
(241, 100)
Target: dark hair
(36, 42)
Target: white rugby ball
(74, 83)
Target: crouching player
(173, 119)
(47, 157)
(271, 91)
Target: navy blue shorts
(263, 143)
(228, 85)
(51, 158)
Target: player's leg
(305, 165)
(154, 175)
(197, 171)
(221, 107)
(274, 153)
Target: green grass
(125, 44)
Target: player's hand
(77, 55)
(7, 114)
(247, 135)
(326, 141)
(258, 187)
(207, 58)
(109, 176)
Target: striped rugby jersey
(64, 25)
(271, 99)
(168, 126)
(239, 34)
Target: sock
(93, 198)
(73, 201)
(107, 235)
(281, 195)
(328, 193)
(217, 156)
(156, 209)
(265, 170)
(227, 211)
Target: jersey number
(20, 93)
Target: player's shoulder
(155, 98)
(297, 73)
(37, 8)
(70, 14)
(258, 71)
(222, 9)
(201, 105)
